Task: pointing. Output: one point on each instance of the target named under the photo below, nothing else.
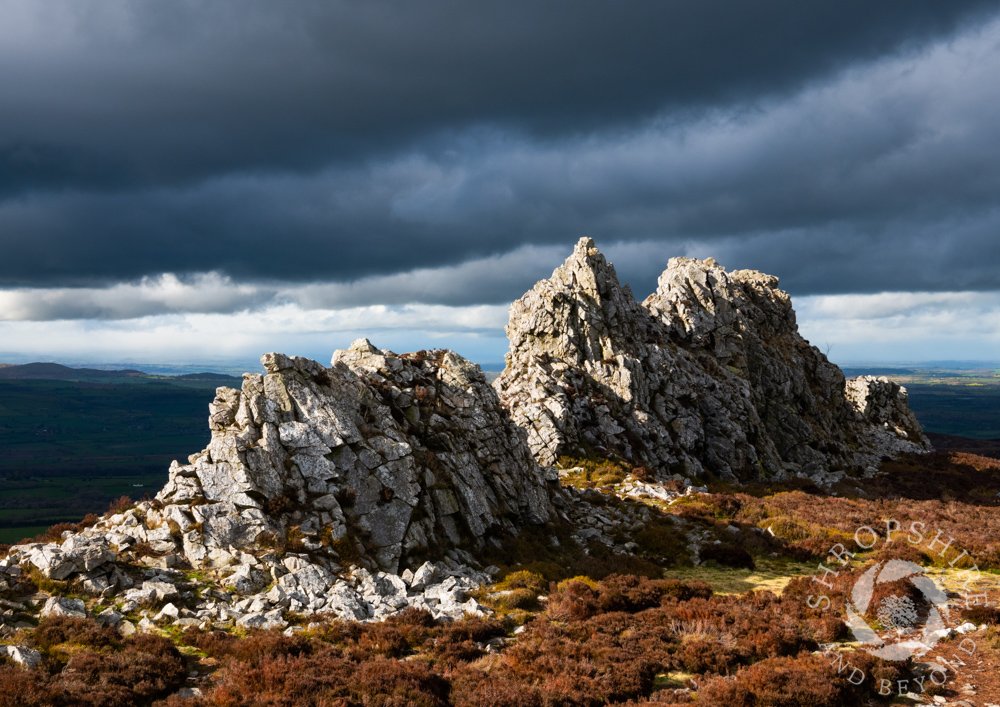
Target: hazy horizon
(237, 366)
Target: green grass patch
(591, 472)
(770, 574)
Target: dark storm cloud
(121, 93)
(317, 141)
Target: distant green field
(69, 448)
(952, 401)
(963, 410)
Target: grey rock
(61, 606)
(151, 592)
(708, 375)
(344, 601)
(22, 655)
(109, 617)
(51, 561)
(882, 405)
(169, 612)
(263, 620)
(336, 456)
(246, 580)
(427, 574)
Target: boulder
(61, 606)
(22, 655)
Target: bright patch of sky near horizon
(854, 328)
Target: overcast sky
(194, 182)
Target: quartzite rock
(380, 458)
(314, 476)
(709, 374)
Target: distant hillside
(75, 438)
(56, 371)
(952, 443)
(205, 377)
(59, 372)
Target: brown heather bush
(475, 688)
(575, 600)
(212, 643)
(596, 642)
(120, 505)
(326, 679)
(631, 593)
(55, 630)
(606, 641)
(901, 550)
(778, 682)
(974, 526)
(800, 589)
(145, 668)
(283, 680)
(98, 671)
(806, 679)
(984, 614)
(20, 687)
(954, 492)
(55, 532)
(395, 683)
(254, 649)
(383, 640)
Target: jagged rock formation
(368, 486)
(357, 489)
(382, 457)
(708, 374)
(882, 403)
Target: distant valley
(950, 400)
(74, 439)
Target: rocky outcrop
(590, 372)
(380, 458)
(357, 490)
(708, 375)
(369, 486)
(891, 426)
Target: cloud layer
(164, 163)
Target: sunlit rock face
(708, 375)
(390, 458)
